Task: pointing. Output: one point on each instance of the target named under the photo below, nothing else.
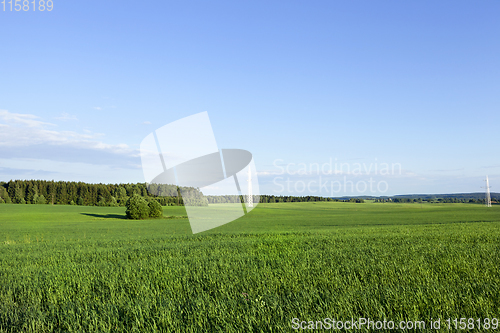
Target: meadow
(88, 269)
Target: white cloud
(29, 168)
(25, 136)
(22, 119)
(147, 123)
(97, 108)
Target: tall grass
(247, 281)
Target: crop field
(88, 269)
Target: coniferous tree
(113, 202)
(32, 193)
(41, 200)
(18, 194)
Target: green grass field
(87, 269)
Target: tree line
(84, 194)
(307, 198)
(213, 199)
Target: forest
(83, 194)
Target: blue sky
(414, 84)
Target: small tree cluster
(138, 208)
(155, 209)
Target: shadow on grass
(106, 216)
(124, 217)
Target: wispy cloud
(27, 168)
(66, 116)
(26, 136)
(491, 166)
(24, 173)
(447, 170)
(147, 123)
(97, 108)
(28, 120)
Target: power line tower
(250, 195)
(488, 197)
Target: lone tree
(137, 208)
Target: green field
(87, 269)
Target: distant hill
(475, 196)
(465, 196)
